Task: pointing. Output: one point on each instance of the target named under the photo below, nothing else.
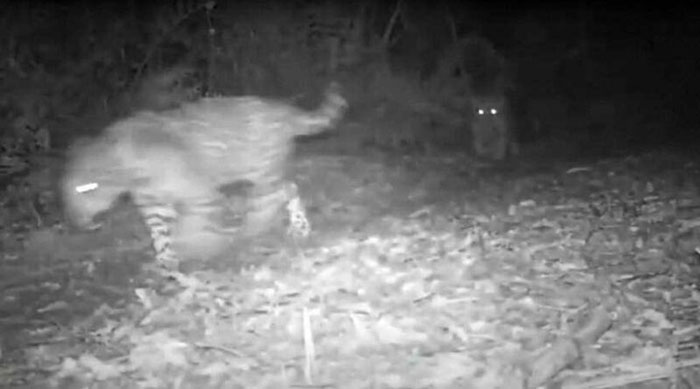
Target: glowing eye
(86, 187)
(494, 111)
(480, 111)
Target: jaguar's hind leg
(159, 220)
(265, 207)
(299, 224)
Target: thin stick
(309, 349)
(392, 23)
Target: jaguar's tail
(327, 115)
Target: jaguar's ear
(168, 89)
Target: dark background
(620, 73)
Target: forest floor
(421, 272)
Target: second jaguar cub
(491, 128)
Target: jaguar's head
(89, 185)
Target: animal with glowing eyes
(491, 128)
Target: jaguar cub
(162, 178)
(178, 164)
(491, 128)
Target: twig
(652, 373)
(392, 23)
(309, 348)
(226, 350)
(37, 216)
(451, 23)
(566, 351)
(212, 46)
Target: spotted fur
(251, 139)
(178, 167)
(155, 170)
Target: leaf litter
(581, 277)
